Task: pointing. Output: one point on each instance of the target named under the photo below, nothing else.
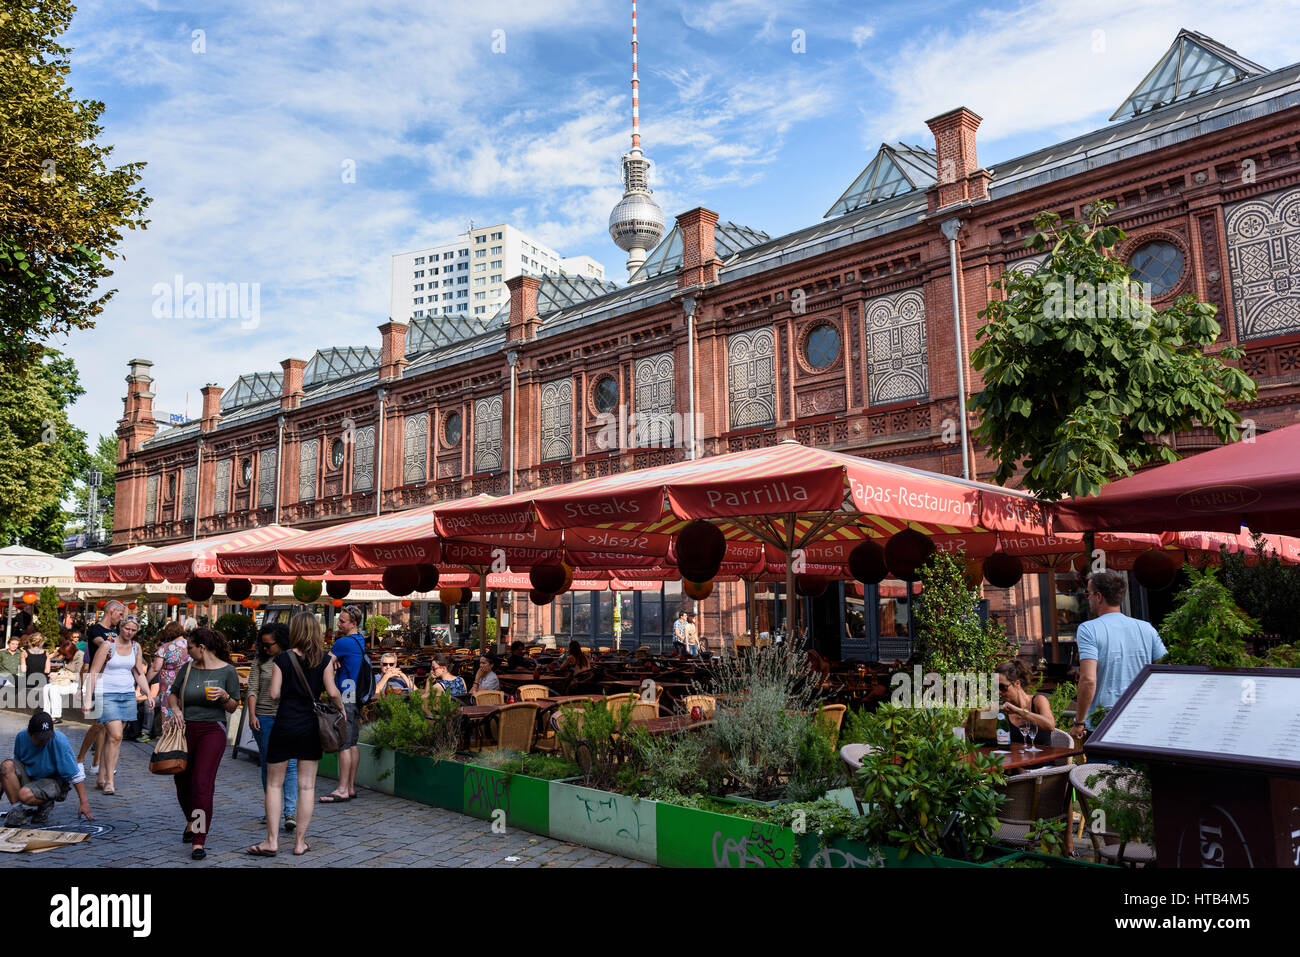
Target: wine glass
(1029, 730)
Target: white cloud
(861, 34)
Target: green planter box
(608, 822)
(429, 781)
(329, 766)
(376, 769)
(690, 837)
(1047, 860)
(525, 800)
(843, 853)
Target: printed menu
(1235, 715)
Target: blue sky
(249, 127)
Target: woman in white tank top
(122, 667)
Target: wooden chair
(644, 711)
(1041, 794)
(833, 714)
(533, 692)
(516, 726)
(489, 697)
(603, 650)
(1106, 845)
(707, 704)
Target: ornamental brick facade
(1223, 191)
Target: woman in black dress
(1023, 708)
(296, 734)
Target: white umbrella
(26, 568)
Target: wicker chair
(516, 726)
(833, 714)
(1041, 794)
(1106, 845)
(644, 711)
(616, 701)
(489, 697)
(707, 704)
(533, 692)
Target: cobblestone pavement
(141, 825)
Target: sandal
(333, 799)
(109, 789)
(298, 853)
(257, 851)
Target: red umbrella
(1248, 483)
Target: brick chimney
(523, 308)
(700, 262)
(291, 382)
(393, 353)
(137, 424)
(960, 178)
(211, 406)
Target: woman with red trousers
(203, 696)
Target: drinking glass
(1029, 730)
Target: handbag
(331, 722)
(171, 752)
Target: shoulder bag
(332, 723)
(171, 752)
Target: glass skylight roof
(559, 292)
(728, 239)
(250, 389)
(330, 364)
(1194, 64)
(896, 168)
(438, 332)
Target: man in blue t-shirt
(345, 656)
(1113, 648)
(41, 772)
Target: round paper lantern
(1002, 570)
(306, 590)
(867, 563)
(100, 604)
(540, 597)
(700, 548)
(906, 552)
(466, 596)
(338, 602)
(568, 577)
(401, 580)
(449, 596)
(173, 600)
(62, 603)
(30, 597)
(249, 603)
(1155, 570)
(405, 603)
(237, 589)
(338, 587)
(200, 589)
(697, 590)
(131, 606)
(547, 578)
(811, 585)
(189, 604)
(428, 579)
(973, 572)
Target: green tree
(1206, 627)
(62, 207)
(1265, 589)
(104, 460)
(951, 638)
(1080, 372)
(41, 453)
(47, 615)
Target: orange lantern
(189, 604)
(405, 603)
(30, 597)
(131, 606)
(62, 603)
(100, 604)
(697, 590)
(338, 602)
(449, 596)
(249, 603)
(173, 600)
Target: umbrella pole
(482, 611)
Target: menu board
(1247, 716)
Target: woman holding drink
(204, 694)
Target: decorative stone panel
(415, 449)
(221, 491)
(1264, 259)
(557, 420)
(751, 378)
(363, 459)
(487, 437)
(897, 358)
(267, 475)
(308, 454)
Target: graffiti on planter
(488, 792)
(607, 812)
(832, 857)
(756, 850)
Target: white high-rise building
(466, 276)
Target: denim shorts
(118, 707)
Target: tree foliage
(62, 207)
(41, 453)
(1206, 627)
(47, 616)
(102, 458)
(951, 637)
(1080, 372)
(1267, 590)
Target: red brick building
(840, 335)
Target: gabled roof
(1194, 63)
(896, 168)
(438, 332)
(329, 364)
(251, 388)
(559, 292)
(728, 239)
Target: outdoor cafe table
(669, 724)
(1017, 758)
(516, 678)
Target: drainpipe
(951, 228)
(279, 465)
(512, 357)
(198, 484)
(688, 304)
(379, 455)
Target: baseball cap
(41, 728)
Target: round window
(823, 346)
(248, 471)
(1160, 263)
(336, 453)
(451, 431)
(606, 395)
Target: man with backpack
(355, 680)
